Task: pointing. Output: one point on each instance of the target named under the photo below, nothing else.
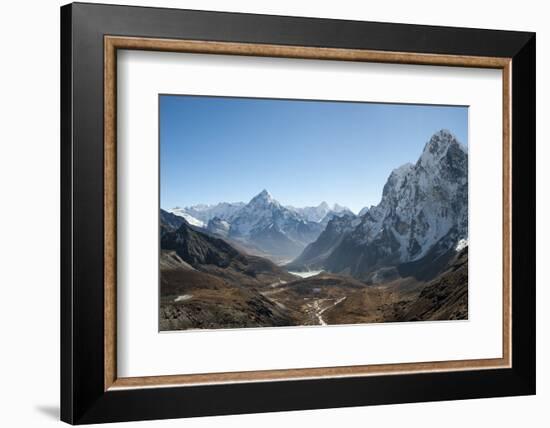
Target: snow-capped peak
(320, 213)
(422, 205)
(339, 208)
(263, 198)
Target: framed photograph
(265, 213)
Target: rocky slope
(169, 222)
(446, 296)
(214, 255)
(192, 299)
(207, 283)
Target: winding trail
(319, 312)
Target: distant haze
(217, 149)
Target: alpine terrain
(261, 263)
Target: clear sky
(216, 149)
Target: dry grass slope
(208, 284)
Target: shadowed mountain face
(315, 254)
(422, 215)
(446, 296)
(169, 222)
(214, 255)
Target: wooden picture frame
(91, 390)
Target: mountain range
(421, 216)
(263, 226)
(200, 215)
(322, 213)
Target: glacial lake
(306, 274)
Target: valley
(193, 299)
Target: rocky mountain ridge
(263, 225)
(424, 206)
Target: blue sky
(215, 149)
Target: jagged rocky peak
(265, 194)
(424, 202)
(263, 198)
(438, 146)
(423, 211)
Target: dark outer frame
(114, 43)
(83, 398)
